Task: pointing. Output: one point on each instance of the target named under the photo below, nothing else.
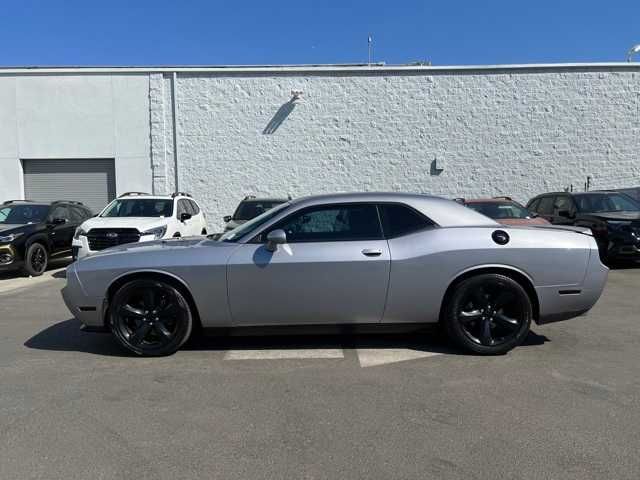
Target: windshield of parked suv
(23, 214)
(249, 209)
(139, 207)
(605, 202)
(242, 230)
(497, 210)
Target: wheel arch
(167, 277)
(515, 274)
(41, 238)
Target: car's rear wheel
(36, 259)
(150, 317)
(488, 314)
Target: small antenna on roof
(370, 48)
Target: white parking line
(373, 357)
(282, 354)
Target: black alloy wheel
(489, 314)
(36, 260)
(150, 317)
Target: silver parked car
(344, 259)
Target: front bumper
(90, 311)
(10, 258)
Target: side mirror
(227, 218)
(185, 216)
(58, 221)
(275, 238)
(565, 214)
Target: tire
(150, 317)
(204, 231)
(36, 259)
(488, 314)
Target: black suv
(613, 217)
(33, 232)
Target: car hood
(140, 223)
(11, 228)
(169, 244)
(615, 215)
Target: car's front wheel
(150, 317)
(488, 314)
(36, 259)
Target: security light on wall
(635, 49)
(296, 96)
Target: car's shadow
(67, 336)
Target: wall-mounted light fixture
(296, 96)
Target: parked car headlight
(157, 232)
(80, 232)
(10, 238)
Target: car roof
(264, 199)
(489, 200)
(444, 212)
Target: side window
(59, 211)
(533, 206)
(182, 208)
(546, 205)
(77, 214)
(194, 207)
(332, 224)
(564, 202)
(398, 220)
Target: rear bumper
(562, 302)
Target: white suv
(139, 217)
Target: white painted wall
(75, 116)
(500, 130)
(510, 132)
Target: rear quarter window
(399, 220)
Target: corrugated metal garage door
(90, 181)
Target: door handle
(371, 252)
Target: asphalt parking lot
(74, 405)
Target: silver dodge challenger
(346, 259)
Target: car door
(334, 269)
(61, 234)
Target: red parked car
(504, 210)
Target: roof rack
(180, 194)
(133, 194)
(7, 202)
(249, 197)
(73, 202)
(503, 197)
(460, 200)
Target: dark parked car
(32, 232)
(613, 217)
(249, 208)
(633, 192)
(503, 210)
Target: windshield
(498, 210)
(242, 230)
(139, 207)
(252, 208)
(23, 214)
(605, 202)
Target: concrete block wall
(452, 133)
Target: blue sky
(116, 32)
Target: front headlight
(157, 232)
(10, 238)
(79, 233)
